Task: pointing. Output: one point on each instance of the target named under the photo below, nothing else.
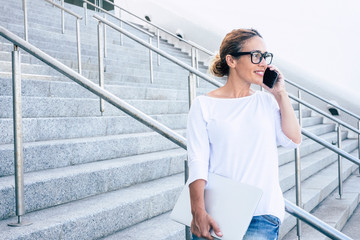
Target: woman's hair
(232, 43)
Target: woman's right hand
(201, 224)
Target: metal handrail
(64, 9)
(106, 95)
(159, 51)
(78, 18)
(142, 117)
(162, 29)
(331, 147)
(323, 99)
(124, 21)
(338, 121)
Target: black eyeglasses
(256, 56)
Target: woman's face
(244, 69)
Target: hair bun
(217, 66)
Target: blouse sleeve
(198, 148)
(281, 138)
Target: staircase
(93, 176)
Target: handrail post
(121, 23)
(151, 63)
(105, 46)
(192, 95)
(78, 44)
(193, 61)
(62, 17)
(25, 21)
(298, 173)
(339, 161)
(359, 143)
(158, 45)
(85, 11)
(101, 63)
(197, 66)
(18, 143)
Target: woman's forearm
(196, 189)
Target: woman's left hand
(279, 86)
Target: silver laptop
(230, 203)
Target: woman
(234, 131)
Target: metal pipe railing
(18, 143)
(148, 121)
(314, 222)
(159, 51)
(130, 24)
(26, 35)
(298, 173)
(162, 29)
(100, 29)
(323, 99)
(92, 87)
(124, 21)
(78, 18)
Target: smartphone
(270, 77)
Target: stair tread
(101, 213)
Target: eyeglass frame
(263, 55)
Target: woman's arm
(202, 222)
(289, 123)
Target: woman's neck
(235, 88)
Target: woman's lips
(260, 72)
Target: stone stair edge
(100, 215)
(76, 182)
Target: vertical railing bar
(197, 66)
(105, 45)
(192, 96)
(85, 11)
(339, 161)
(101, 63)
(359, 143)
(62, 17)
(151, 63)
(121, 36)
(78, 44)
(298, 173)
(18, 141)
(158, 45)
(25, 21)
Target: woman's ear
(231, 62)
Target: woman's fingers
(201, 225)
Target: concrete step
(45, 129)
(60, 89)
(333, 210)
(311, 164)
(34, 107)
(308, 146)
(61, 153)
(352, 226)
(316, 189)
(114, 64)
(100, 215)
(160, 228)
(55, 87)
(68, 44)
(52, 187)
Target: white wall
(316, 43)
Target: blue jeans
(264, 227)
